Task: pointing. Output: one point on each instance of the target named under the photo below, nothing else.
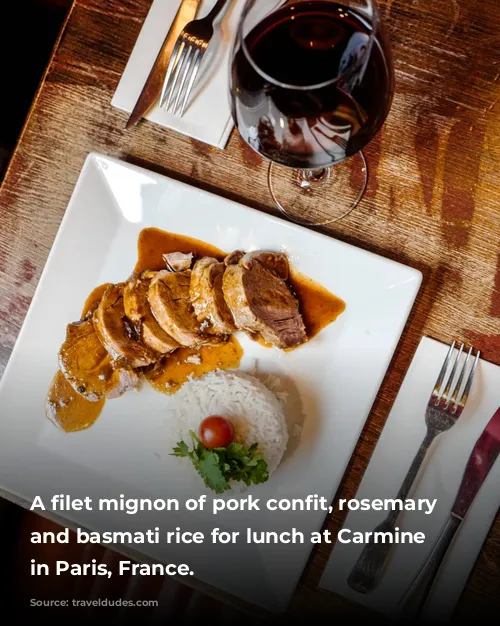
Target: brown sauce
(258, 338)
(153, 243)
(169, 375)
(318, 306)
(67, 409)
(94, 298)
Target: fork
(443, 410)
(186, 59)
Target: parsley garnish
(218, 466)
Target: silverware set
(446, 403)
(186, 59)
(176, 68)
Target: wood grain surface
(433, 200)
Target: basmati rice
(254, 410)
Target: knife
(152, 88)
(480, 462)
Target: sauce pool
(67, 409)
(318, 306)
(174, 370)
(94, 298)
(153, 243)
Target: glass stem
(308, 177)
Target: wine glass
(311, 83)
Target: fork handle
(410, 477)
(367, 571)
(219, 5)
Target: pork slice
(138, 310)
(170, 303)
(262, 303)
(276, 262)
(117, 333)
(207, 298)
(178, 261)
(88, 367)
(234, 257)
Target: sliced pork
(261, 301)
(117, 332)
(234, 257)
(170, 303)
(88, 367)
(178, 261)
(207, 297)
(274, 261)
(138, 310)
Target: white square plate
(336, 376)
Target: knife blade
(481, 460)
(153, 85)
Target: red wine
(311, 84)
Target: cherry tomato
(216, 432)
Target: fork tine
(446, 393)
(188, 60)
(178, 68)
(439, 381)
(196, 66)
(170, 69)
(468, 384)
(454, 395)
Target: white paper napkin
(208, 116)
(440, 478)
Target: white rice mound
(256, 413)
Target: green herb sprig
(218, 466)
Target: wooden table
(433, 200)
